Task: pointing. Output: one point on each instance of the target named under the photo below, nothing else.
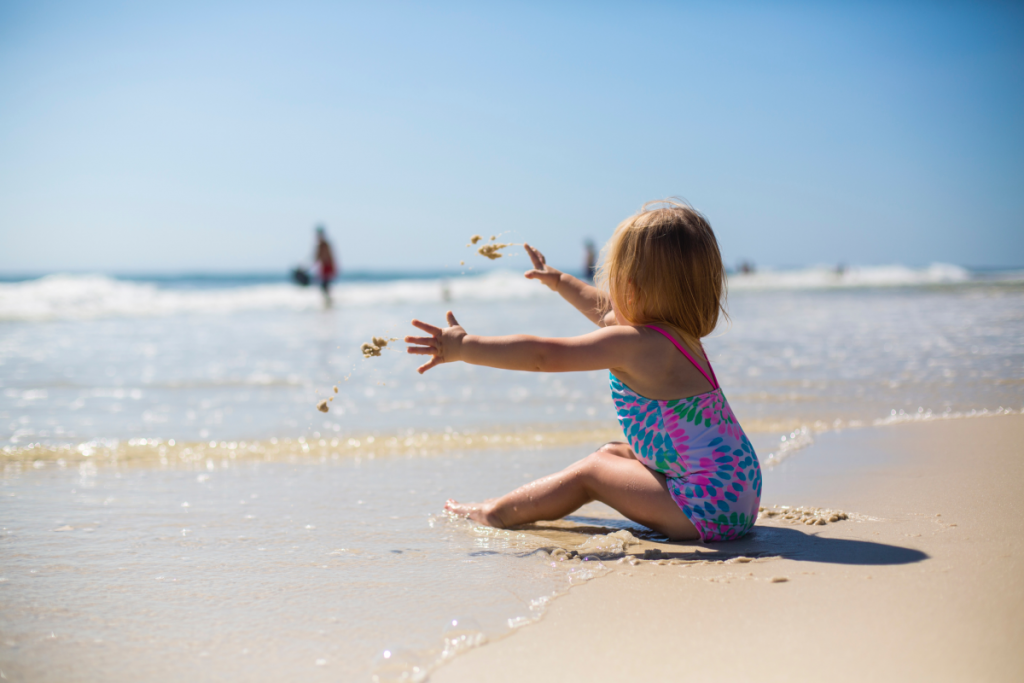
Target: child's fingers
(422, 341)
(426, 327)
(433, 362)
(452, 322)
(421, 350)
(535, 256)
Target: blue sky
(213, 136)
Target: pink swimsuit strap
(713, 381)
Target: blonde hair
(662, 267)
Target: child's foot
(481, 513)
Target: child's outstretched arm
(608, 348)
(587, 299)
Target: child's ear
(630, 293)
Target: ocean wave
(822, 277)
(72, 297)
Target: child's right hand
(541, 270)
(443, 344)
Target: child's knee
(619, 449)
(584, 470)
(595, 466)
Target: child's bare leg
(611, 475)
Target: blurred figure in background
(589, 259)
(324, 259)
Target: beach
(924, 582)
(298, 299)
(174, 505)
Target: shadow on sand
(796, 544)
(791, 543)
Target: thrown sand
(372, 348)
(322, 406)
(491, 250)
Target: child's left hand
(444, 345)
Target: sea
(173, 505)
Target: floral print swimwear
(709, 465)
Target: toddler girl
(688, 471)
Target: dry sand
(924, 581)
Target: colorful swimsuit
(709, 465)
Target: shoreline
(149, 451)
(923, 581)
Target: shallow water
(787, 359)
(262, 571)
(217, 525)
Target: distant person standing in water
(589, 260)
(324, 259)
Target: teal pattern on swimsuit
(709, 464)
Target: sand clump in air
(372, 348)
(492, 249)
(809, 516)
(322, 405)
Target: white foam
(803, 437)
(64, 297)
(789, 444)
(820, 277)
(71, 297)
(922, 415)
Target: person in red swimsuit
(324, 259)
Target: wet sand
(924, 581)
